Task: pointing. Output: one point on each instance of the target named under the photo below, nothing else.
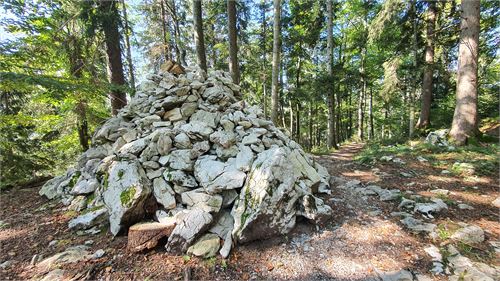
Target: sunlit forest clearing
(249, 139)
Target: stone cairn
(203, 167)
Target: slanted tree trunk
(332, 142)
(465, 117)
(198, 35)
(110, 23)
(129, 51)
(234, 67)
(276, 60)
(424, 119)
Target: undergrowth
(481, 155)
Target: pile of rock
(188, 153)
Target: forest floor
(361, 242)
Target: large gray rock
(164, 193)
(181, 160)
(199, 199)
(124, 197)
(438, 137)
(206, 247)
(216, 176)
(89, 219)
(49, 189)
(189, 227)
(433, 207)
(70, 255)
(469, 234)
(85, 186)
(267, 204)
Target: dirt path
(361, 242)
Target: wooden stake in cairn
(172, 67)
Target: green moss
(127, 195)
(120, 174)
(70, 214)
(74, 178)
(90, 198)
(92, 209)
(105, 181)
(244, 218)
(443, 232)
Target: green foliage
(41, 96)
(186, 258)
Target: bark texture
(465, 118)
(113, 50)
(276, 60)
(332, 142)
(424, 119)
(145, 236)
(129, 51)
(198, 35)
(234, 67)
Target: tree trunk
(276, 60)
(350, 114)
(297, 122)
(264, 54)
(129, 51)
(424, 120)
(361, 113)
(166, 44)
(113, 49)
(198, 35)
(370, 116)
(332, 142)
(292, 132)
(465, 118)
(311, 122)
(234, 67)
(76, 63)
(179, 49)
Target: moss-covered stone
(127, 195)
(74, 178)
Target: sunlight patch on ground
(7, 234)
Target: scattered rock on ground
(469, 234)
(206, 247)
